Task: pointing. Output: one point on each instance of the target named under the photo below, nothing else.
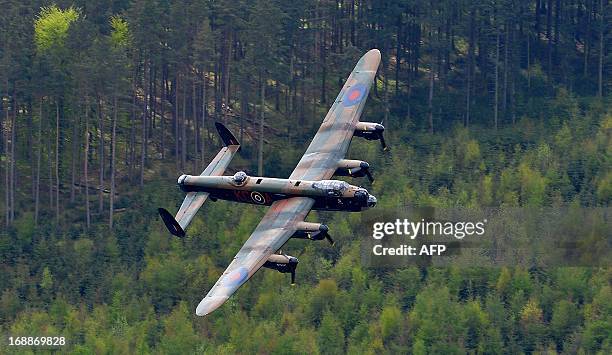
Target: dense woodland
(104, 103)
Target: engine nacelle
(283, 263)
(312, 231)
(371, 131)
(368, 130)
(353, 168)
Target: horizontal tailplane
(194, 200)
(173, 226)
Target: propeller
(292, 266)
(325, 234)
(366, 170)
(363, 169)
(384, 145)
(283, 263)
(379, 133)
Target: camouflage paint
(320, 161)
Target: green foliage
(390, 321)
(51, 27)
(120, 34)
(330, 335)
(163, 68)
(178, 336)
(46, 281)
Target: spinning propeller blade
(382, 142)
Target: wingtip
(208, 304)
(374, 51)
(370, 60)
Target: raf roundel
(354, 95)
(258, 198)
(238, 276)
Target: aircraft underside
(267, 198)
(308, 187)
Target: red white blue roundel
(354, 95)
(237, 276)
(258, 198)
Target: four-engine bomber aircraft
(290, 199)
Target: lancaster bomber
(309, 187)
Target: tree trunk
(152, 102)
(162, 117)
(244, 107)
(75, 158)
(132, 155)
(112, 163)
(13, 159)
(184, 128)
(470, 63)
(57, 134)
(505, 89)
(176, 117)
(352, 23)
(196, 125)
(226, 66)
(496, 101)
(549, 38)
(292, 88)
(261, 127)
(528, 62)
(30, 143)
(38, 159)
(587, 35)
(386, 94)
(100, 158)
(50, 161)
(204, 114)
(430, 97)
(601, 49)
(398, 52)
(86, 165)
(143, 142)
(323, 69)
(7, 177)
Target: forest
(103, 104)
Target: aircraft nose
(209, 304)
(361, 195)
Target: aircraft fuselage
(330, 195)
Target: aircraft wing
(332, 140)
(194, 200)
(276, 227)
(319, 162)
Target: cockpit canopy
(331, 187)
(239, 178)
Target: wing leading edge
(320, 161)
(194, 200)
(276, 227)
(332, 140)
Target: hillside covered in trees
(105, 103)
